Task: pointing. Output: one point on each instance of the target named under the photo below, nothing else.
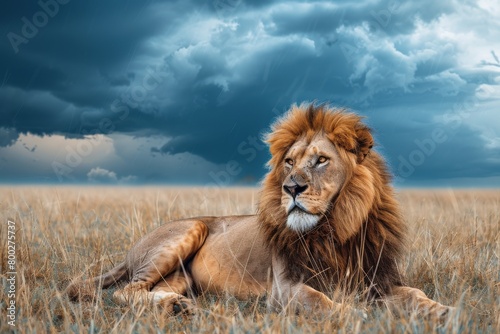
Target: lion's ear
(364, 142)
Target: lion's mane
(357, 243)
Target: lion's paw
(175, 304)
(184, 306)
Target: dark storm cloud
(84, 50)
(8, 136)
(443, 150)
(37, 112)
(210, 77)
(385, 17)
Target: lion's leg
(170, 293)
(412, 299)
(300, 298)
(162, 253)
(312, 300)
(133, 293)
(289, 296)
(167, 293)
(297, 297)
(155, 264)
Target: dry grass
(64, 232)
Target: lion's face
(314, 175)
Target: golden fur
(327, 219)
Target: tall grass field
(51, 235)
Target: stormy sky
(180, 92)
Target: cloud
(191, 83)
(39, 112)
(101, 175)
(8, 136)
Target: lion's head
(326, 182)
(313, 174)
(315, 152)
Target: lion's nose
(294, 190)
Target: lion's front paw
(438, 311)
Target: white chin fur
(300, 221)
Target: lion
(327, 219)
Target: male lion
(327, 219)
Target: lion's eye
(322, 159)
(289, 161)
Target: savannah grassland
(64, 232)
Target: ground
(63, 232)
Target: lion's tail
(85, 290)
